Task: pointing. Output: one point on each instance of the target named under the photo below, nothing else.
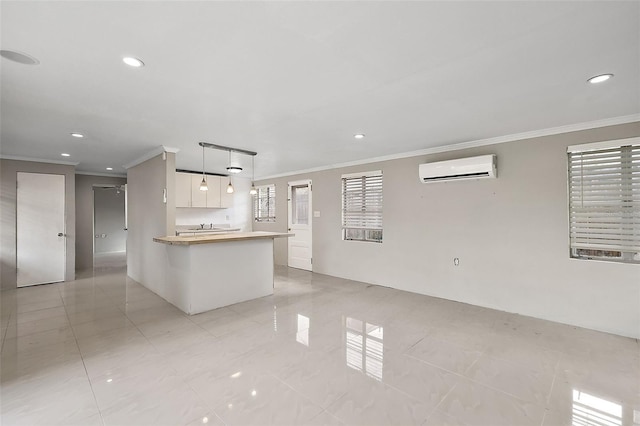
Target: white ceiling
(295, 81)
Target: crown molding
(117, 175)
(149, 155)
(38, 160)
(470, 144)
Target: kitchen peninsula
(206, 272)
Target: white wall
(149, 217)
(510, 234)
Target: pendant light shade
(203, 184)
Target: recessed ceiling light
(64, 154)
(359, 136)
(109, 168)
(600, 78)
(133, 62)
(19, 57)
(77, 135)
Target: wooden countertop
(218, 238)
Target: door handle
(60, 234)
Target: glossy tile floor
(321, 350)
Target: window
(362, 206)
(300, 205)
(604, 201)
(264, 204)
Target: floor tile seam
(86, 372)
(541, 404)
(432, 409)
(216, 319)
(547, 401)
(146, 338)
(303, 395)
(204, 401)
(94, 320)
(97, 332)
(36, 310)
(18, 322)
(324, 411)
(445, 413)
(182, 315)
(31, 333)
(455, 373)
(518, 364)
(5, 331)
(200, 327)
(307, 397)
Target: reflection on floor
(321, 350)
(112, 259)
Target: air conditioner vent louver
(480, 167)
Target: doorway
(40, 229)
(109, 226)
(300, 224)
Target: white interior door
(299, 197)
(40, 245)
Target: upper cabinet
(188, 192)
(213, 194)
(226, 199)
(198, 198)
(183, 198)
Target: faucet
(211, 226)
(202, 226)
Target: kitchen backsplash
(193, 216)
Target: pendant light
(203, 184)
(233, 169)
(230, 186)
(253, 190)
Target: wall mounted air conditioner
(483, 166)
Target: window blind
(604, 203)
(362, 206)
(264, 204)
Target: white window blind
(362, 206)
(264, 204)
(604, 203)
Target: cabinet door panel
(213, 194)
(226, 199)
(198, 198)
(183, 190)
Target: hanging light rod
(226, 148)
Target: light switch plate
(316, 213)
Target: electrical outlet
(456, 261)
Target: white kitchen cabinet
(188, 192)
(213, 194)
(198, 198)
(226, 199)
(183, 189)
